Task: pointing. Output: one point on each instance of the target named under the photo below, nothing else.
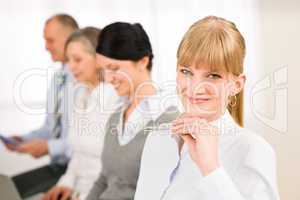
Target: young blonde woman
(207, 155)
(94, 102)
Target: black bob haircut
(125, 41)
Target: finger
(10, 147)
(66, 194)
(46, 196)
(35, 154)
(23, 148)
(182, 120)
(180, 131)
(189, 120)
(189, 126)
(195, 132)
(207, 130)
(189, 140)
(176, 127)
(56, 194)
(27, 149)
(17, 138)
(51, 193)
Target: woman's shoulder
(254, 140)
(257, 151)
(255, 159)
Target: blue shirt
(58, 149)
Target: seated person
(91, 111)
(207, 154)
(50, 139)
(125, 52)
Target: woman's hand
(58, 193)
(202, 140)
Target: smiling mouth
(77, 75)
(116, 86)
(198, 100)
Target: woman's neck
(143, 90)
(92, 84)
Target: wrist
(208, 168)
(46, 150)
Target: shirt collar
(227, 126)
(153, 106)
(157, 104)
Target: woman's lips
(77, 74)
(198, 100)
(116, 86)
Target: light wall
(22, 46)
(279, 116)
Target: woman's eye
(77, 60)
(186, 72)
(214, 76)
(113, 68)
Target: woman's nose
(196, 87)
(108, 76)
(71, 66)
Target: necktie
(60, 80)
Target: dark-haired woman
(125, 51)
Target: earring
(233, 102)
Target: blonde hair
(218, 44)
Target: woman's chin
(121, 93)
(200, 110)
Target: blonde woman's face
(81, 63)
(204, 92)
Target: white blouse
(85, 138)
(150, 108)
(247, 172)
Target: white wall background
(22, 45)
(269, 27)
(280, 48)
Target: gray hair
(87, 36)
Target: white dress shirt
(247, 172)
(86, 137)
(150, 108)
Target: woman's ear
(239, 83)
(143, 63)
(98, 61)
